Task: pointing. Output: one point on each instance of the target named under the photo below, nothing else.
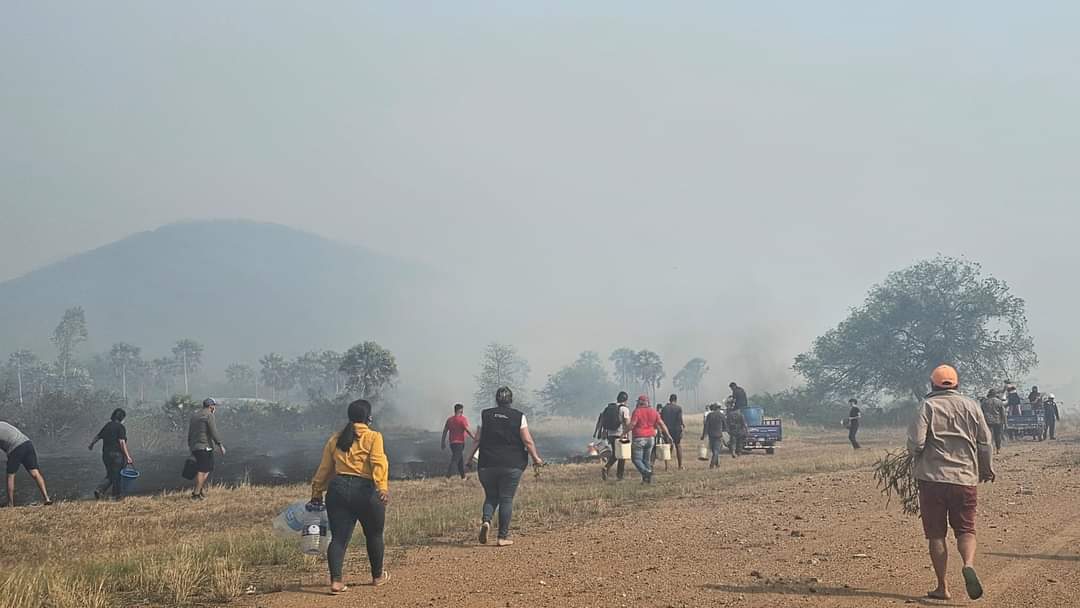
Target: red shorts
(942, 505)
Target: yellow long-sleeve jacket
(365, 458)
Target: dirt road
(824, 540)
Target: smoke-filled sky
(723, 179)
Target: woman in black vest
(505, 446)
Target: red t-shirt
(643, 422)
(457, 425)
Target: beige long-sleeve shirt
(202, 431)
(946, 438)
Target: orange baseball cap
(944, 376)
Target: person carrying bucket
(643, 425)
(672, 415)
(715, 423)
(613, 425)
(114, 453)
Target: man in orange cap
(950, 442)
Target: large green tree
(501, 366)
(369, 370)
(580, 388)
(941, 310)
(68, 335)
(188, 354)
(688, 379)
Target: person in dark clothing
(739, 394)
(715, 424)
(202, 437)
(1034, 397)
(1053, 416)
(672, 415)
(114, 453)
(737, 431)
(457, 428)
(613, 426)
(505, 445)
(994, 412)
(1012, 399)
(854, 417)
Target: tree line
(941, 310)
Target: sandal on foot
(382, 580)
(343, 589)
(971, 583)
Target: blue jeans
(716, 446)
(641, 455)
(500, 485)
(350, 499)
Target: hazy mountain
(241, 288)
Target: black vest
(500, 439)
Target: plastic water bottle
(313, 532)
(311, 538)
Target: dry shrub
(176, 577)
(226, 579)
(27, 589)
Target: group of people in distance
(997, 410)
(115, 453)
(640, 428)
(644, 428)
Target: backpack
(610, 419)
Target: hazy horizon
(702, 180)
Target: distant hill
(241, 288)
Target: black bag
(189, 469)
(611, 419)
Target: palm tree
(690, 376)
(124, 355)
(189, 353)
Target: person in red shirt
(457, 428)
(643, 424)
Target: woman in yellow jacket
(353, 474)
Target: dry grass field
(166, 550)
